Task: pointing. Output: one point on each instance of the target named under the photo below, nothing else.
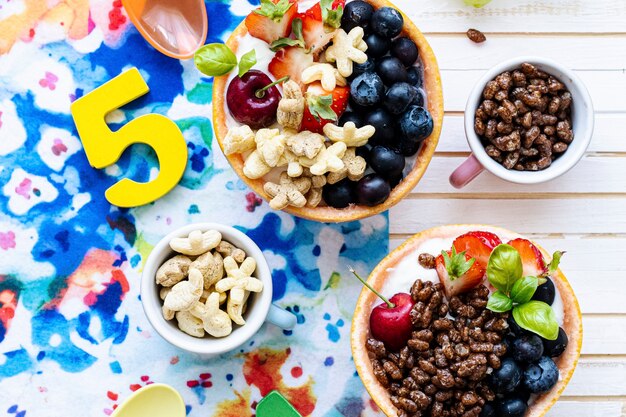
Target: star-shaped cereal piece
(328, 160)
(354, 168)
(349, 134)
(239, 279)
(270, 144)
(288, 192)
(346, 49)
(239, 139)
(305, 143)
(326, 73)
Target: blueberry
(405, 50)
(356, 13)
(367, 89)
(339, 195)
(416, 124)
(364, 152)
(542, 376)
(387, 22)
(545, 292)
(527, 348)
(511, 407)
(351, 116)
(383, 122)
(407, 147)
(377, 45)
(415, 77)
(514, 327)
(372, 190)
(507, 378)
(399, 97)
(488, 411)
(554, 348)
(391, 70)
(420, 98)
(358, 69)
(386, 162)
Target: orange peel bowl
(434, 98)
(572, 323)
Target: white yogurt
(403, 275)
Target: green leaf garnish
(456, 264)
(296, 29)
(320, 107)
(215, 59)
(537, 317)
(499, 302)
(523, 289)
(330, 16)
(504, 267)
(247, 61)
(477, 3)
(554, 263)
(274, 11)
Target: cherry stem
(260, 93)
(382, 297)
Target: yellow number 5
(104, 147)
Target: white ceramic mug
(259, 309)
(582, 125)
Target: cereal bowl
(239, 43)
(259, 306)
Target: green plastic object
(275, 405)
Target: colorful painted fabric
(73, 336)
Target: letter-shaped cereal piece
(239, 139)
(173, 271)
(185, 293)
(255, 167)
(239, 279)
(328, 160)
(354, 168)
(211, 266)
(346, 49)
(349, 134)
(190, 324)
(326, 73)
(271, 145)
(289, 191)
(197, 242)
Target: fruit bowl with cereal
(338, 112)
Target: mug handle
(281, 318)
(466, 172)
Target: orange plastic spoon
(176, 28)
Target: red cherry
(253, 99)
(392, 325)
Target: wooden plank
(542, 216)
(604, 335)
(602, 85)
(593, 174)
(567, 408)
(609, 133)
(456, 51)
(598, 378)
(590, 16)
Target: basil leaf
(215, 59)
(556, 260)
(537, 317)
(523, 289)
(504, 267)
(320, 107)
(499, 302)
(247, 61)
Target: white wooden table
(583, 212)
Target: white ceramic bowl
(259, 308)
(582, 124)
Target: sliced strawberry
(323, 107)
(532, 259)
(320, 23)
(290, 61)
(458, 272)
(478, 245)
(272, 20)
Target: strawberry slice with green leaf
(478, 245)
(533, 263)
(296, 38)
(458, 272)
(320, 23)
(272, 20)
(290, 61)
(323, 107)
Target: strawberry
(290, 61)
(532, 259)
(320, 23)
(323, 107)
(272, 20)
(478, 245)
(458, 272)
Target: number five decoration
(104, 147)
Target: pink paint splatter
(168, 221)
(253, 201)
(58, 147)
(24, 188)
(0, 119)
(7, 240)
(50, 81)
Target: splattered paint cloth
(73, 336)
